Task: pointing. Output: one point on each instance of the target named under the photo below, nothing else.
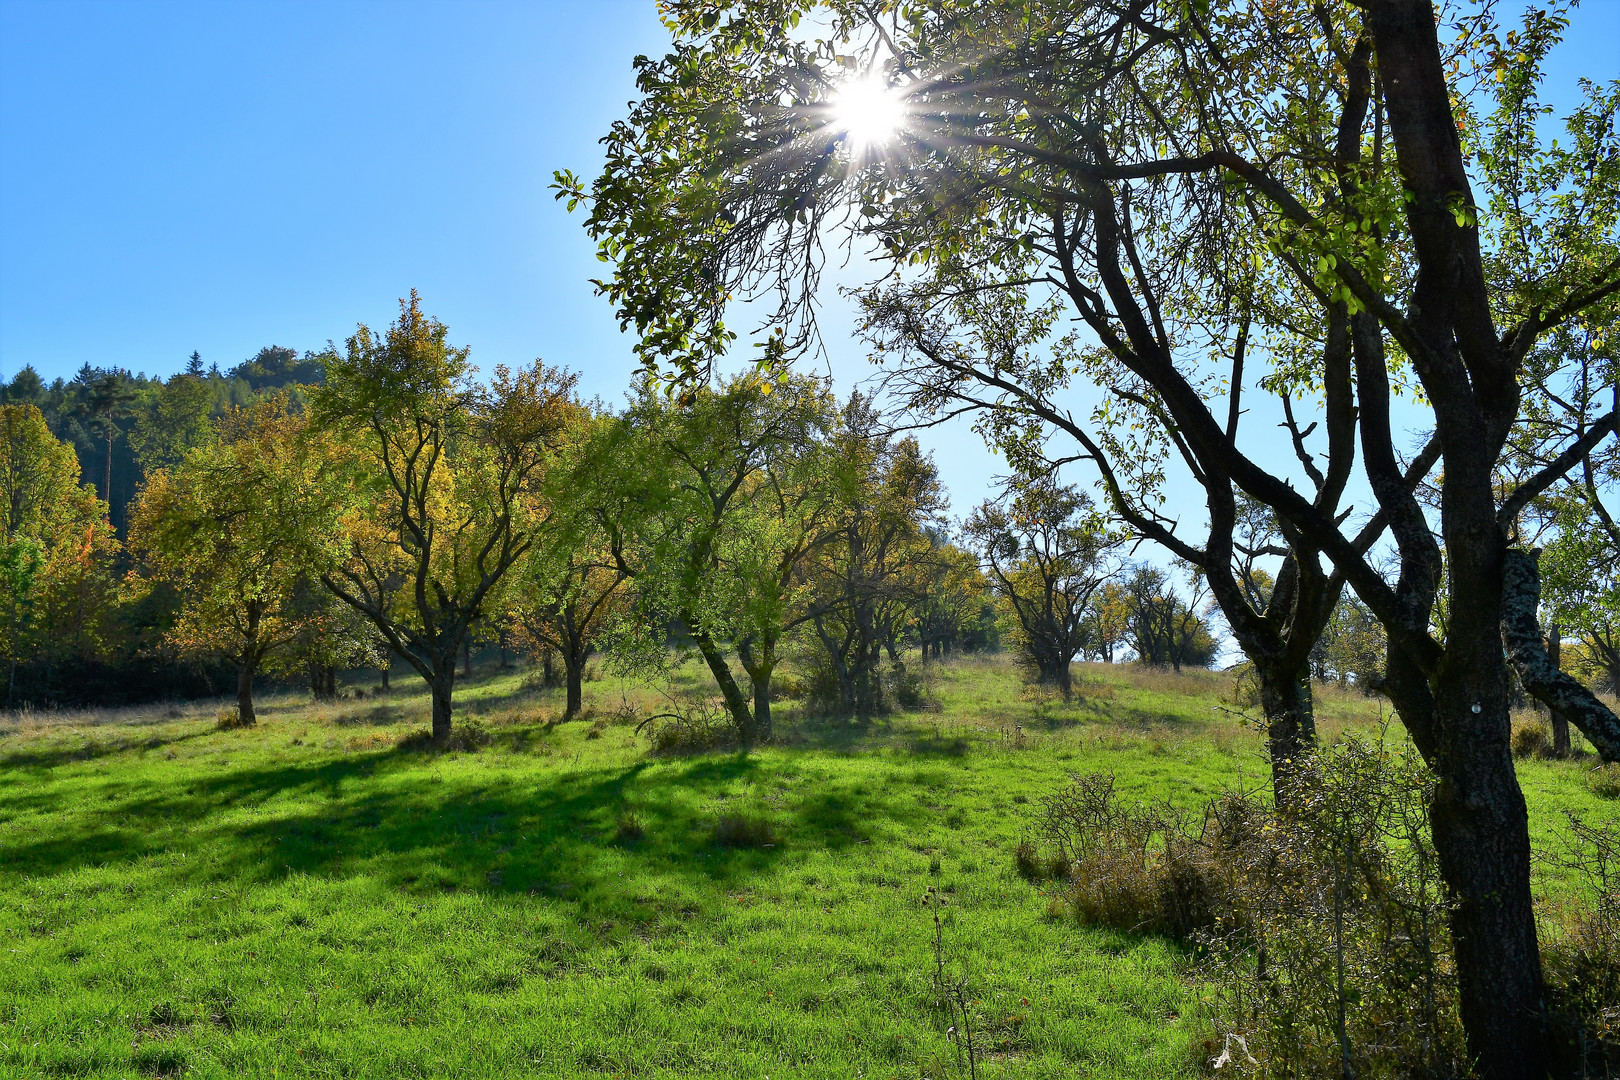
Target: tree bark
(245, 667)
(466, 658)
(1287, 701)
(1564, 697)
(736, 704)
(760, 663)
(1560, 722)
(574, 674)
(442, 686)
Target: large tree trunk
(1287, 702)
(1482, 838)
(1478, 814)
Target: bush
(1027, 861)
(743, 831)
(467, 736)
(1580, 956)
(629, 828)
(1605, 781)
(698, 728)
(1283, 909)
(230, 719)
(1533, 739)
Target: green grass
(310, 898)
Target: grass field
(316, 897)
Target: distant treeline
(123, 424)
(89, 642)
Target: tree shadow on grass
(383, 817)
(93, 748)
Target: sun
(868, 111)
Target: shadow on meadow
(396, 819)
(93, 748)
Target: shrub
(1605, 781)
(629, 828)
(1533, 739)
(467, 736)
(1027, 860)
(693, 729)
(1285, 909)
(229, 719)
(743, 831)
(1580, 955)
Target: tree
(874, 571)
(565, 596)
(1045, 549)
(175, 420)
(1352, 647)
(952, 601)
(720, 500)
(1134, 160)
(234, 526)
(1161, 627)
(106, 399)
(444, 470)
(53, 535)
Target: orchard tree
(875, 570)
(234, 526)
(445, 472)
(1180, 176)
(717, 501)
(1048, 553)
(952, 600)
(563, 599)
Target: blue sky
(222, 176)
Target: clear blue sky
(222, 176)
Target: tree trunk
(1287, 702)
(466, 658)
(1065, 678)
(736, 704)
(244, 689)
(442, 685)
(1560, 722)
(1480, 822)
(574, 665)
(1565, 698)
(386, 668)
(760, 663)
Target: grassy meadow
(321, 897)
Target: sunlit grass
(310, 898)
